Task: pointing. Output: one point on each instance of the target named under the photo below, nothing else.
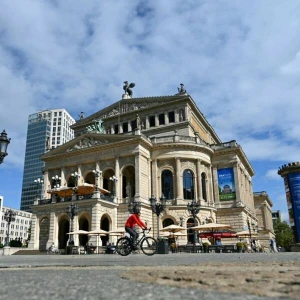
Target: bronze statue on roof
(128, 88)
(181, 90)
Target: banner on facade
(294, 194)
(226, 184)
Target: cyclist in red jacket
(131, 222)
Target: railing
(178, 139)
(230, 144)
(79, 198)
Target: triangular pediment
(88, 140)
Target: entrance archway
(63, 229)
(104, 224)
(44, 233)
(168, 222)
(83, 225)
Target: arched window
(188, 185)
(203, 184)
(167, 222)
(167, 184)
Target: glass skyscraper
(46, 130)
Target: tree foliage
(283, 234)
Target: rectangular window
(152, 121)
(125, 127)
(171, 116)
(161, 119)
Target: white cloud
(238, 60)
(273, 175)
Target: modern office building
(276, 215)
(18, 227)
(142, 150)
(291, 177)
(46, 130)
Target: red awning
(217, 234)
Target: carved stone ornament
(87, 143)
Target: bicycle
(147, 244)
(53, 250)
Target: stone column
(112, 129)
(156, 120)
(53, 237)
(47, 185)
(137, 175)
(34, 237)
(176, 112)
(186, 113)
(80, 179)
(147, 122)
(198, 167)
(166, 118)
(179, 192)
(216, 185)
(210, 194)
(96, 218)
(117, 172)
(154, 178)
(236, 182)
(63, 176)
(99, 182)
(149, 177)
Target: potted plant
(239, 247)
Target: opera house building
(136, 149)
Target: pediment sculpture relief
(86, 143)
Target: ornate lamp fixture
(9, 216)
(4, 141)
(194, 209)
(56, 181)
(97, 174)
(114, 179)
(158, 208)
(39, 182)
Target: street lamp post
(97, 175)
(38, 183)
(194, 209)
(9, 216)
(56, 181)
(158, 208)
(114, 179)
(4, 141)
(72, 211)
(76, 177)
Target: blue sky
(239, 60)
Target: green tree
(283, 234)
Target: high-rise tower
(46, 130)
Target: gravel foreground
(174, 276)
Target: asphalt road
(115, 277)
